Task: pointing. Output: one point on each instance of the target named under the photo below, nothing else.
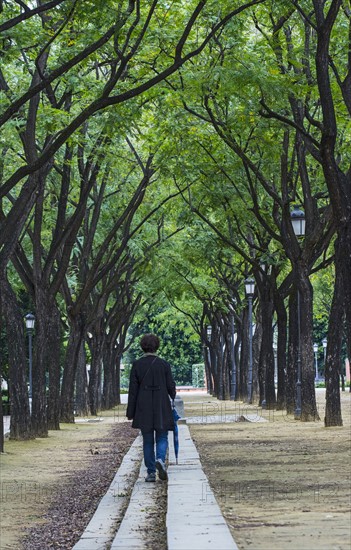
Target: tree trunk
(20, 427)
(244, 357)
(108, 393)
(334, 345)
(82, 397)
(54, 368)
(208, 370)
(291, 372)
(39, 406)
(308, 394)
(1, 407)
(226, 364)
(266, 354)
(77, 333)
(256, 349)
(213, 366)
(220, 366)
(281, 351)
(338, 182)
(95, 373)
(233, 361)
(116, 361)
(48, 357)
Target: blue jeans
(149, 448)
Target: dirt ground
(281, 484)
(51, 486)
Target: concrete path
(194, 520)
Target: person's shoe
(161, 468)
(151, 477)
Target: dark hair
(150, 343)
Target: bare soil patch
(155, 536)
(50, 487)
(281, 484)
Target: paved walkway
(194, 520)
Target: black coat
(151, 385)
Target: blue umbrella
(175, 432)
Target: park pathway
(129, 511)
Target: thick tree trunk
(20, 427)
(39, 405)
(54, 367)
(301, 352)
(343, 266)
(226, 366)
(291, 372)
(1, 407)
(266, 354)
(108, 394)
(46, 375)
(308, 394)
(111, 381)
(76, 337)
(339, 188)
(95, 374)
(244, 357)
(220, 366)
(213, 366)
(256, 350)
(116, 361)
(332, 366)
(208, 370)
(281, 351)
(82, 397)
(233, 362)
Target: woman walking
(151, 386)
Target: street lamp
(275, 353)
(30, 322)
(324, 342)
(298, 221)
(209, 381)
(315, 349)
(233, 380)
(250, 290)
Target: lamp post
(324, 342)
(30, 322)
(315, 349)
(298, 222)
(209, 381)
(275, 353)
(233, 380)
(263, 266)
(250, 290)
